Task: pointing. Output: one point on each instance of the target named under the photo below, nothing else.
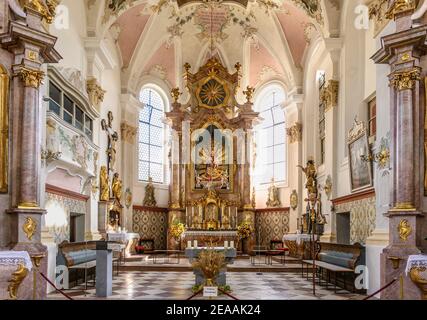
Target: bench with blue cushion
(339, 259)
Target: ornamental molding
(128, 132)
(95, 92)
(295, 132)
(378, 13)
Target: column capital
(31, 77)
(405, 79)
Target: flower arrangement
(176, 230)
(244, 230)
(210, 263)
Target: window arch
(271, 136)
(151, 136)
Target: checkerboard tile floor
(137, 285)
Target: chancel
(176, 150)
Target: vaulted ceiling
(269, 37)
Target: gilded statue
(116, 188)
(273, 196)
(149, 198)
(311, 176)
(104, 185)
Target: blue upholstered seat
(82, 256)
(335, 257)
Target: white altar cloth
(297, 237)
(14, 258)
(417, 260)
(119, 237)
(219, 233)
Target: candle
(189, 244)
(231, 244)
(195, 243)
(226, 244)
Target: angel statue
(104, 185)
(273, 196)
(311, 175)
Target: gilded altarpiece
(210, 187)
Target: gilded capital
(46, 8)
(401, 6)
(404, 80)
(95, 92)
(30, 77)
(329, 94)
(294, 132)
(128, 132)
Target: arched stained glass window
(151, 136)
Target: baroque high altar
(210, 152)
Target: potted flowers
(244, 231)
(176, 230)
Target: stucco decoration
(312, 7)
(75, 77)
(362, 218)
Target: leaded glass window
(271, 137)
(151, 137)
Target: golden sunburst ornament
(212, 93)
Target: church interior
(213, 149)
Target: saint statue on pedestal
(116, 188)
(273, 196)
(104, 185)
(149, 198)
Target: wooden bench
(338, 260)
(77, 256)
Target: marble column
(402, 51)
(31, 47)
(175, 116)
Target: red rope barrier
(53, 285)
(191, 297)
(383, 288)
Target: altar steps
(241, 264)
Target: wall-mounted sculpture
(149, 198)
(273, 196)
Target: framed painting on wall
(358, 148)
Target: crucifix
(113, 137)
